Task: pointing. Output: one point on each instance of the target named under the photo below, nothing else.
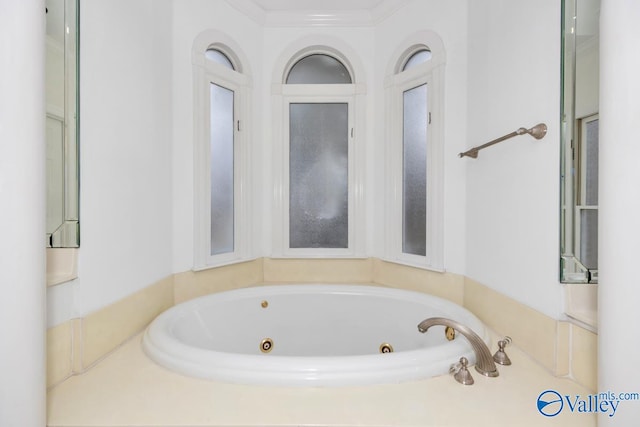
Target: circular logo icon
(550, 403)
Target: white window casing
(283, 95)
(205, 73)
(397, 82)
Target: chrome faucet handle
(500, 356)
(462, 375)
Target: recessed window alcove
(320, 145)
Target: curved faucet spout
(484, 361)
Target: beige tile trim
(562, 348)
(192, 284)
(106, 329)
(445, 285)
(278, 270)
(584, 357)
(59, 353)
(62, 265)
(530, 330)
(63, 351)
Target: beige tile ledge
(562, 348)
(552, 343)
(128, 389)
(62, 265)
(78, 344)
(581, 304)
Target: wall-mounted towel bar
(538, 132)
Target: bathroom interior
(514, 235)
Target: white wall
(22, 214)
(501, 210)
(513, 188)
(125, 155)
(619, 230)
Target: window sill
(415, 264)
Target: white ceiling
(299, 5)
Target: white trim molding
(331, 17)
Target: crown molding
(318, 18)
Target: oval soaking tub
(309, 335)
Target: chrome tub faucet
(484, 361)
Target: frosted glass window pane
(318, 175)
(318, 69)
(591, 173)
(222, 185)
(414, 191)
(589, 238)
(417, 58)
(219, 58)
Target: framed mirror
(579, 141)
(62, 123)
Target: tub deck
(128, 389)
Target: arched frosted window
(419, 57)
(318, 69)
(319, 133)
(222, 139)
(415, 126)
(222, 89)
(219, 58)
(414, 95)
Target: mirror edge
(67, 235)
(571, 269)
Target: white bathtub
(321, 335)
